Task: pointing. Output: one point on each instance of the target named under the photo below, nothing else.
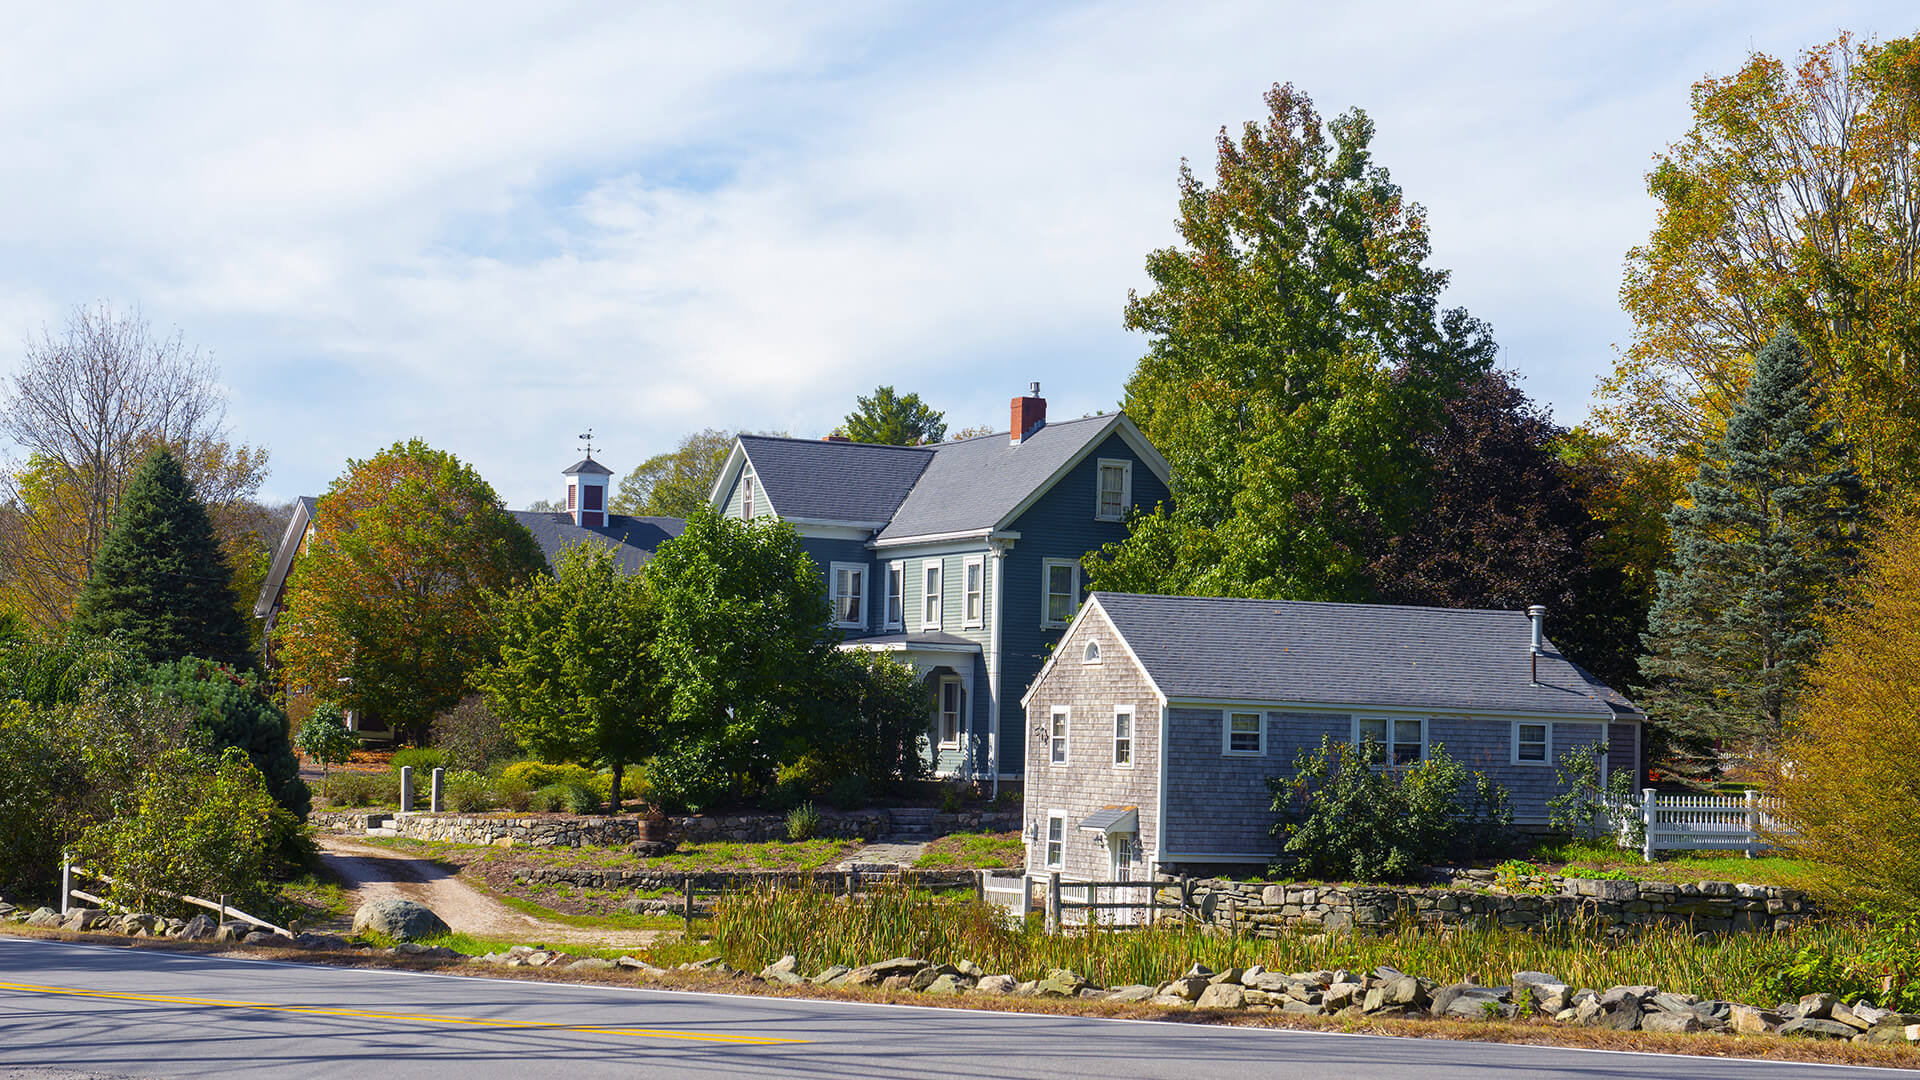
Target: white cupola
(587, 491)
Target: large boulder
(402, 920)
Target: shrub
(470, 736)
(540, 774)
(468, 792)
(421, 759)
(324, 737)
(39, 774)
(1585, 807)
(848, 793)
(803, 822)
(952, 797)
(809, 774)
(201, 825)
(231, 707)
(564, 799)
(687, 777)
(1344, 818)
(354, 789)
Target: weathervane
(588, 439)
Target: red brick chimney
(1029, 414)
(835, 437)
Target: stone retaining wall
(1608, 906)
(570, 830)
(734, 880)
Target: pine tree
(161, 583)
(1770, 533)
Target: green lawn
(1570, 858)
(973, 851)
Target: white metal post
(1753, 822)
(1649, 810)
(66, 882)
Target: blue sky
(491, 226)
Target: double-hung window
(1402, 742)
(1532, 743)
(952, 700)
(1245, 733)
(1057, 735)
(1056, 840)
(1123, 737)
(896, 594)
(849, 595)
(1060, 578)
(973, 596)
(1116, 490)
(930, 595)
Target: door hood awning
(1113, 819)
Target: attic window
(1116, 490)
(746, 497)
(1092, 653)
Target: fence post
(223, 911)
(686, 886)
(1053, 901)
(1753, 822)
(1233, 917)
(1153, 901)
(66, 882)
(1649, 810)
(1026, 895)
(853, 883)
(980, 886)
(406, 789)
(438, 791)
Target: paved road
(68, 1010)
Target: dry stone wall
(568, 830)
(1605, 906)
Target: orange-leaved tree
(387, 609)
(1849, 779)
(1793, 203)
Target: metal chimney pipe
(1537, 613)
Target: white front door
(1120, 863)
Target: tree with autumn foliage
(1791, 204)
(1849, 781)
(387, 609)
(1298, 356)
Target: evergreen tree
(894, 419)
(161, 583)
(1760, 550)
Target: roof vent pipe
(1537, 613)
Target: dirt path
(371, 873)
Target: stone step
(382, 831)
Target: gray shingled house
(1153, 728)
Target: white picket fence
(1701, 822)
(1013, 893)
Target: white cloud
(492, 227)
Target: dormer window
(1116, 490)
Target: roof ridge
(1043, 427)
(1315, 603)
(928, 448)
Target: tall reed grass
(753, 928)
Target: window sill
(1243, 753)
(1118, 520)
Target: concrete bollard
(406, 789)
(439, 791)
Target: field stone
(1841, 1014)
(1749, 1020)
(1061, 983)
(899, 965)
(45, 916)
(1222, 995)
(1135, 992)
(833, 975)
(1231, 975)
(996, 984)
(1816, 1006)
(786, 965)
(1816, 1028)
(1302, 1008)
(897, 982)
(1672, 1023)
(1624, 1015)
(1637, 994)
(634, 963)
(948, 984)
(403, 920)
(1188, 988)
(591, 963)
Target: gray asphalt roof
(633, 540)
(932, 640)
(834, 481)
(588, 465)
(1352, 654)
(974, 483)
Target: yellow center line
(418, 1018)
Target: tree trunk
(613, 795)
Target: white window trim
(1063, 714)
(1046, 841)
(892, 622)
(1226, 733)
(1354, 737)
(959, 716)
(938, 568)
(1515, 744)
(978, 565)
(746, 497)
(1126, 488)
(1091, 654)
(1046, 585)
(1132, 726)
(833, 591)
